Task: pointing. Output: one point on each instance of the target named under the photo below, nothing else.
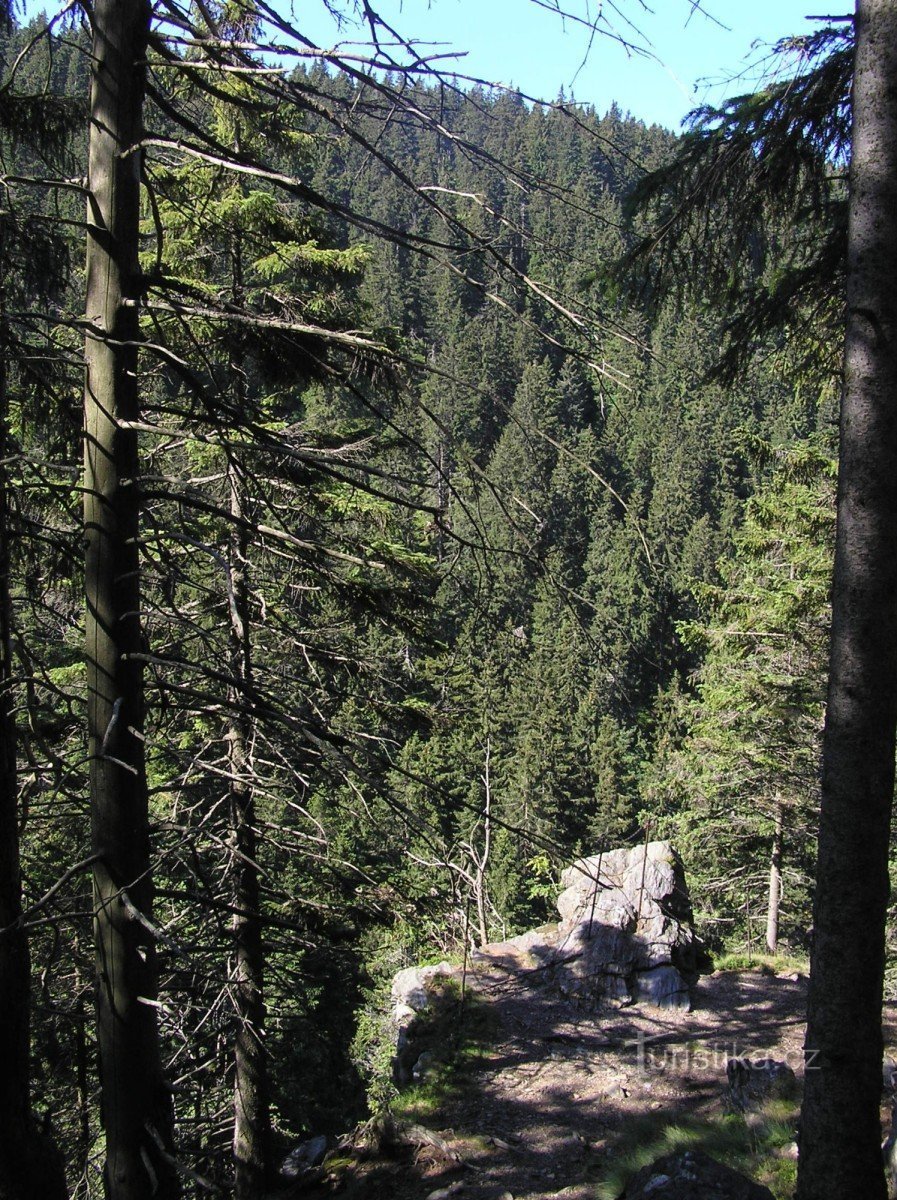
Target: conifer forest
(409, 485)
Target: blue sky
(520, 42)
(517, 41)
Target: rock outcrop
(413, 989)
(625, 936)
(304, 1158)
(414, 992)
(625, 932)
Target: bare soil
(540, 1110)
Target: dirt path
(540, 1111)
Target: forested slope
(584, 512)
(428, 610)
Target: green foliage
(470, 575)
(722, 198)
(766, 964)
(749, 740)
(543, 885)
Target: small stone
(447, 1192)
(496, 1141)
(307, 1154)
(655, 1184)
(889, 1075)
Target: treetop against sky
(659, 64)
(693, 57)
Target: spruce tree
(742, 787)
(840, 1131)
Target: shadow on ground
(546, 1100)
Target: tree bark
(840, 1155)
(15, 970)
(775, 881)
(252, 1116)
(135, 1102)
(481, 861)
(251, 1103)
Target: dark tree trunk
(135, 1102)
(82, 1090)
(840, 1135)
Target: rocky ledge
(625, 936)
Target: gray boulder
(413, 993)
(625, 932)
(413, 989)
(304, 1157)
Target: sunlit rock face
(626, 932)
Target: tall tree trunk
(135, 1102)
(251, 1105)
(252, 1118)
(840, 1135)
(775, 881)
(481, 858)
(15, 971)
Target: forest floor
(540, 1100)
